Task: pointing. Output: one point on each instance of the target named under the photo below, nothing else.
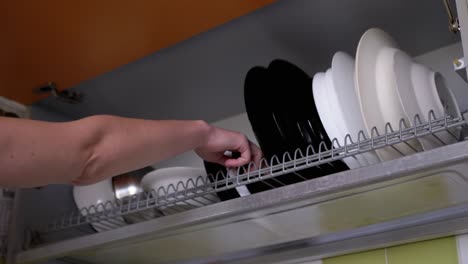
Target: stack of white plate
(381, 87)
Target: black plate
(281, 111)
(212, 169)
(258, 104)
(260, 115)
(260, 107)
(298, 114)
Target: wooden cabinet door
(72, 41)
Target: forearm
(34, 153)
(127, 144)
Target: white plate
(338, 129)
(322, 103)
(166, 181)
(418, 83)
(96, 194)
(334, 108)
(347, 103)
(320, 100)
(376, 89)
(320, 89)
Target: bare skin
(37, 153)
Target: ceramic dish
(293, 91)
(326, 103)
(417, 83)
(261, 117)
(377, 92)
(325, 107)
(321, 102)
(285, 122)
(340, 129)
(167, 181)
(347, 103)
(213, 172)
(96, 194)
(264, 116)
(259, 110)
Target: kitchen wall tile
(462, 246)
(368, 257)
(436, 251)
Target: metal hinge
(65, 95)
(454, 25)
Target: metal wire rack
(200, 192)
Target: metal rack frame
(181, 192)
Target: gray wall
(202, 78)
(39, 112)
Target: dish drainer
(267, 170)
(245, 210)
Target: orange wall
(71, 41)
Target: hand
(220, 140)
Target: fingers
(249, 152)
(257, 154)
(243, 147)
(222, 140)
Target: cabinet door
(71, 41)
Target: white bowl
(166, 181)
(418, 83)
(376, 88)
(98, 194)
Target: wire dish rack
(108, 215)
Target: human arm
(36, 153)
